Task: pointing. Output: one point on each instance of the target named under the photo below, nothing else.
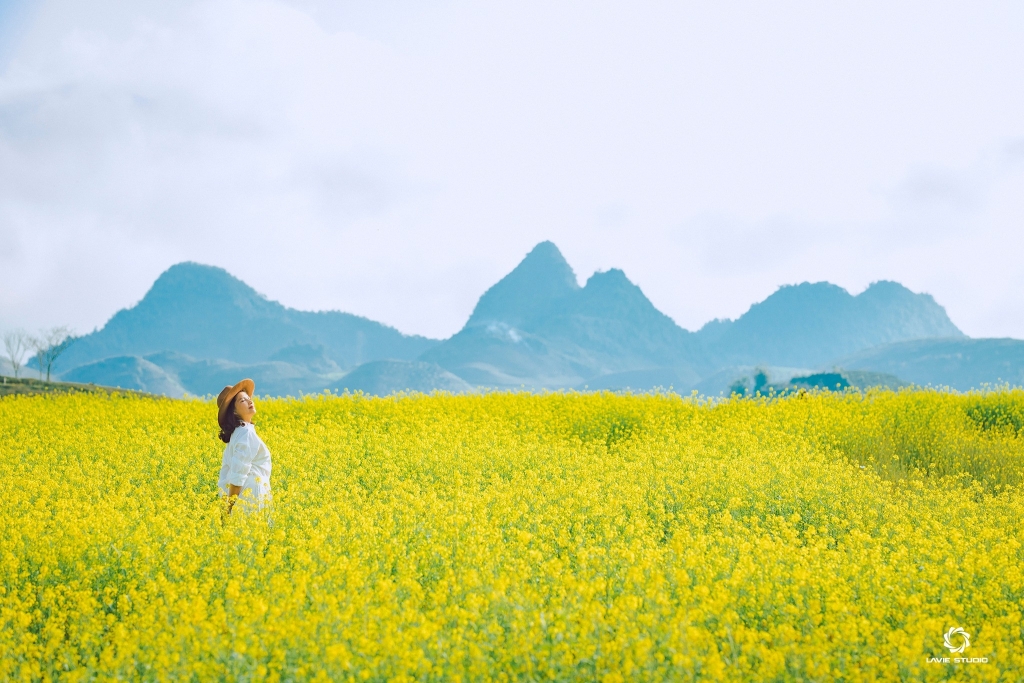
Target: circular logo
(951, 638)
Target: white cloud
(394, 159)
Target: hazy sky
(394, 159)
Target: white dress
(246, 463)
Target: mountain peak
(920, 314)
(189, 280)
(540, 279)
(889, 292)
(207, 313)
(887, 286)
(809, 324)
(611, 287)
(546, 250)
(610, 294)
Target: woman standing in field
(245, 468)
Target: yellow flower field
(517, 537)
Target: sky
(394, 159)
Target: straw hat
(226, 399)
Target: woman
(245, 469)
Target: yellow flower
(512, 536)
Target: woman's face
(244, 406)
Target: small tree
(16, 345)
(37, 353)
(49, 345)
(740, 387)
(761, 383)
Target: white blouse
(246, 463)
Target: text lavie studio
(957, 640)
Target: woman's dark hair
(228, 424)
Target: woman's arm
(233, 493)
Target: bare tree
(37, 353)
(49, 345)
(16, 344)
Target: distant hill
(808, 325)
(27, 386)
(313, 357)
(204, 376)
(175, 374)
(954, 362)
(538, 328)
(128, 372)
(383, 377)
(206, 313)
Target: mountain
(809, 324)
(616, 328)
(494, 347)
(538, 328)
(535, 287)
(206, 313)
(128, 372)
(206, 376)
(175, 374)
(956, 362)
(313, 357)
(499, 355)
(383, 377)
(199, 328)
